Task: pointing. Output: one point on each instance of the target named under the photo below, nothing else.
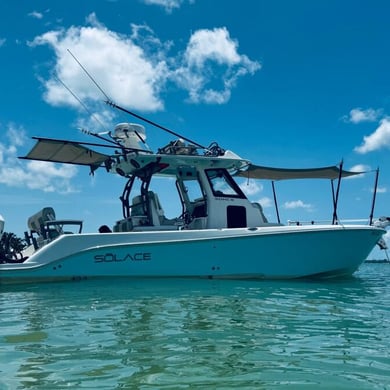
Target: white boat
(218, 234)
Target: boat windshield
(222, 184)
(193, 190)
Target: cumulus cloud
(134, 69)
(379, 139)
(250, 188)
(2, 41)
(119, 66)
(358, 115)
(297, 204)
(212, 65)
(40, 175)
(215, 45)
(95, 120)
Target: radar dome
(130, 135)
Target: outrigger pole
(112, 104)
(97, 135)
(88, 111)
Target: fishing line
(112, 104)
(92, 79)
(81, 103)
(93, 116)
(109, 102)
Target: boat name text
(112, 257)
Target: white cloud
(358, 115)
(358, 168)
(168, 5)
(93, 20)
(250, 188)
(211, 66)
(297, 204)
(44, 176)
(36, 15)
(2, 41)
(381, 190)
(379, 139)
(120, 67)
(266, 202)
(96, 122)
(134, 69)
(215, 45)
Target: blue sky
(284, 83)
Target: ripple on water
(186, 334)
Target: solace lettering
(112, 257)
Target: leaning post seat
(37, 221)
(153, 207)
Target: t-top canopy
(69, 152)
(260, 172)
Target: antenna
(112, 104)
(81, 102)
(92, 79)
(89, 112)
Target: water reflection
(220, 334)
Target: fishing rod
(97, 135)
(109, 102)
(87, 73)
(112, 104)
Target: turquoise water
(186, 334)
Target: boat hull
(246, 253)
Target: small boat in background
(1, 226)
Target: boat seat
(156, 211)
(155, 208)
(158, 216)
(138, 208)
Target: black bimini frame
(374, 195)
(335, 195)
